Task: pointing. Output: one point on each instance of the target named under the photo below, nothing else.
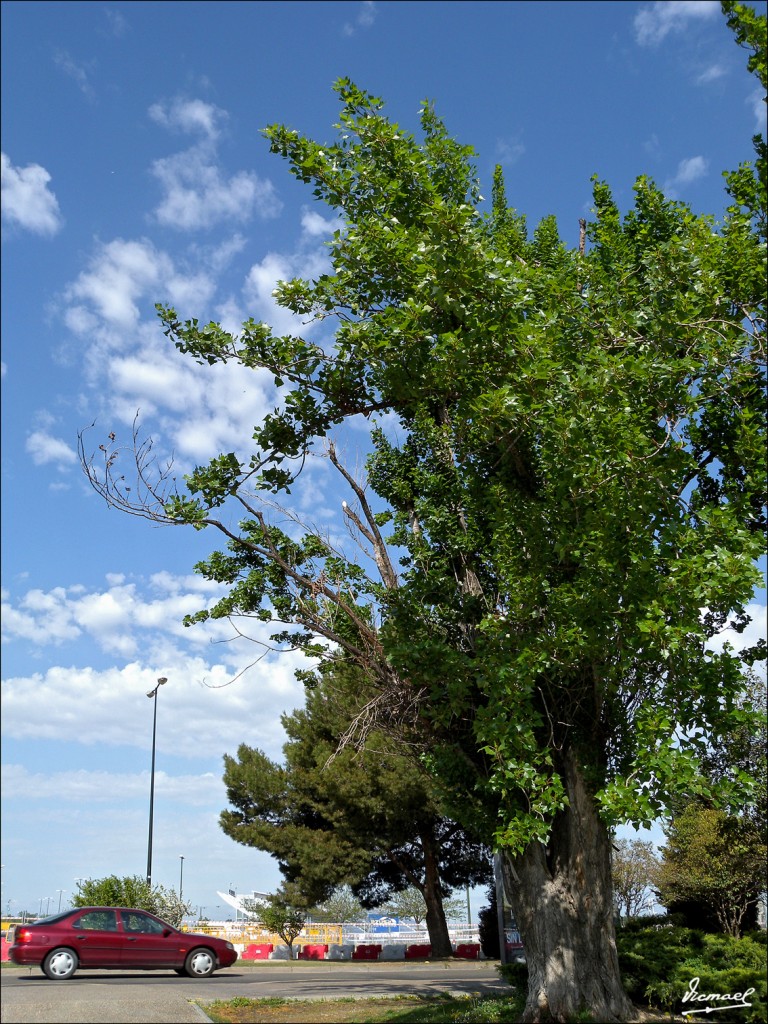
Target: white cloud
(756, 101)
(201, 712)
(653, 24)
(45, 449)
(197, 192)
(756, 630)
(207, 707)
(314, 225)
(27, 200)
(116, 22)
(364, 19)
(75, 71)
(119, 273)
(198, 195)
(263, 277)
(189, 116)
(509, 151)
(688, 171)
(711, 74)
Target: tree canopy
(563, 504)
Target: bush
(658, 962)
(134, 892)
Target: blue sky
(134, 171)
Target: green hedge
(658, 961)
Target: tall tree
(369, 818)
(578, 470)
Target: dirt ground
(331, 1011)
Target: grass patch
(395, 1010)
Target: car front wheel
(60, 964)
(200, 963)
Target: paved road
(117, 997)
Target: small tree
(341, 907)
(635, 867)
(284, 913)
(132, 891)
(408, 903)
(716, 860)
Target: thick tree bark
(437, 926)
(561, 895)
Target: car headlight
(229, 945)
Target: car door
(97, 941)
(148, 942)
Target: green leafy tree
(370, 817)
(634, 869)
(716, 860)
(284, 912)
(134, 892)
(578, 470)
(341, 907)
(409, 903)
(741, 752)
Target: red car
(115, 937)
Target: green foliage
(368, 818)
(573, 468)
(133, 892)
(659, 961)
(714, 859)
(284, 912)
(340, 907)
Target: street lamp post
(152, 694)
(181, 875)
(60, 892)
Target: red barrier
(313, 951)
(418, 951)
(467, 950)
(257, 951)
(6, 947)
(369, 952)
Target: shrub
(659, 962)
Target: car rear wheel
(60, 964)
(200, 963)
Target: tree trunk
(437, 926)
(561, 895)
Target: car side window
(142, 923)
(97, 921)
